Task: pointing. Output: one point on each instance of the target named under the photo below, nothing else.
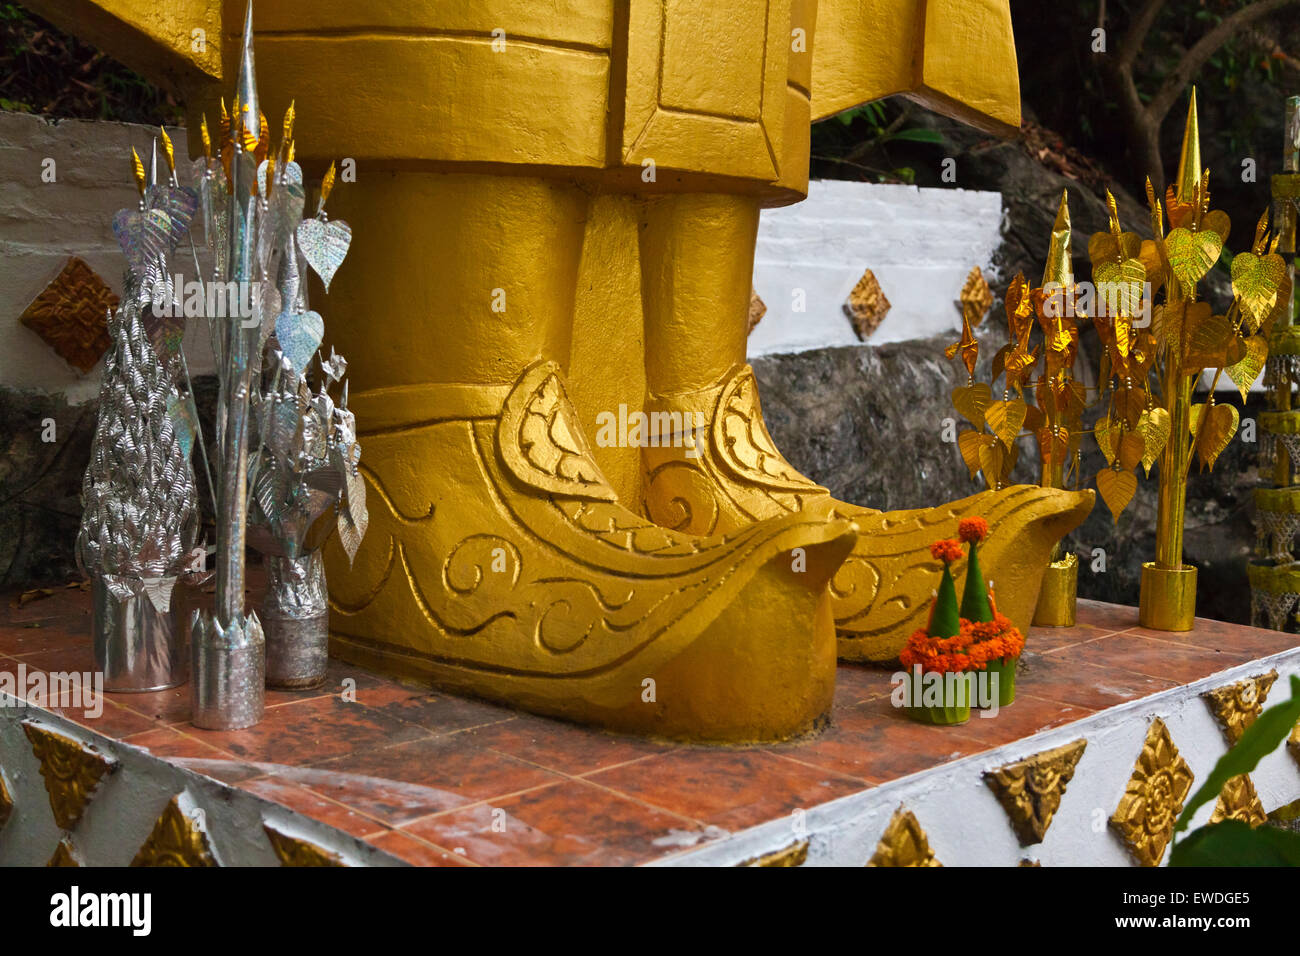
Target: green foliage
(1231, 842)
(854, 142)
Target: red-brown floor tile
(112, 720)
(168, 742)
(165, 706)
(562, 747)
(876, 742)
(1107, 617)
(1233, 640)
(1095, 687)
(45, 634)
(415, 851)
(1180, 663)
(312, 805)
(567, 824)
(78, 658)
(1026, 716)
(405, 781)
(226, 769)
(855, 682)
(61, 601)
(310, 731)
(437, 713)
(726, 788)
(1046, 640)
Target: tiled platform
(436, 779)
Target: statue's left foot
(730, 474)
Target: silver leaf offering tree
(141, 517)
(287, 453)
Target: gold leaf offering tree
(1056, 414)
(1154, 355)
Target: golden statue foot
(498, 563)
(728, 473)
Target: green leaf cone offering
(975, 597)
(944, 619)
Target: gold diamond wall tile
(1236, 706)
(1029, 862)
(175, 841)
(71, 314)
(1154, 797)
(64, 854)
(904, 843)
(71, 771)
(796, 854)
(1240, 801)
(6, 801)
(867, 305)
(976, 297)
(1030, 790)
(757, 309)
(293, 851)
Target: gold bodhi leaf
(1117, 489)
(1154, 428)
(1245, 372)
(1213, 427)
(1255, 283)
(1005, 419)
(1192, 254)
(972, 401)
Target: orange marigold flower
(947, 550)
(973, 529)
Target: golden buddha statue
(555, 208)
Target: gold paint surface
(1030, 790)
(175, 841)
(1154, 797)
(1167, 597)
(903, 843)
(1236, 706)
(1058, 595)
(293, 851)
(71, 772)
(1239, 801)
(64, 854)
(6, 801)
(796, 854)
(867, 306)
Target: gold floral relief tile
(867, 306)
(64, 854)
(1240, 801)
(1030, 790)
(1154, 797)
(1236, 706)
(1293, 742)
(176, 840)
(796, 854)
(904, 843)
(71, 771)
(1029, 862)
(70, 314)
(6, 801)
(976, 296)
(293, 851)
(757, 309)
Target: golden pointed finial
(290, 156)
(167, 150)
(137, 168)
(207, 139)
(327, 184)
(1261, 233)
(287, 134)
(1189, 162)
(1059, 269)
(270, 175)
(1112, 210)
(1157, 211)
(263, 138)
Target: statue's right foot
(498, 563)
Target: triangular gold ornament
(904, 843)
(64, 854)
(71, 771)
(176, 840)
(1236, 706)
(1030, 790)
(796, 854)
(294, 851)
(1240, 801)
(6, 802)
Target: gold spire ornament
(1154, 354)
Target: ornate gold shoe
(735, 475)
(498, 563)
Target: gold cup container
(1059, 591)
(1168, 597)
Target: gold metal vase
(1058, 594)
